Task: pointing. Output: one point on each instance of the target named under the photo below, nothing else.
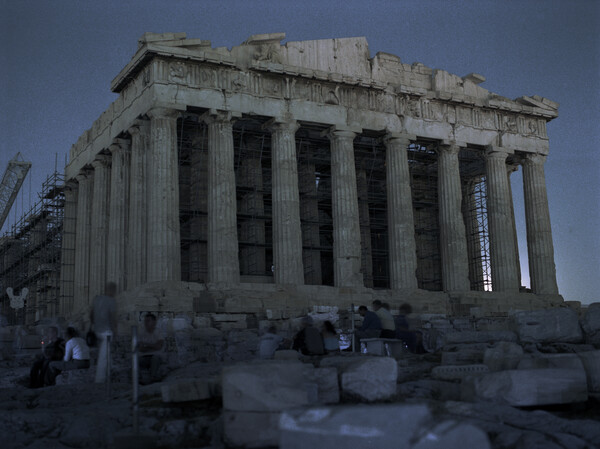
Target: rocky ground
(535, 386)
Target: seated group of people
(381, 324)
(58, 355)
(309, 340)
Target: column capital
(450, 147)
(533, 159)
(83, 175)
(396, 137)
(341, 131)
(282, 124)
(71, 185)
(511, 168)
(137, 126)
(119, 145)
(219, 116)
(162, 112)
(101, 160)
(496, 151)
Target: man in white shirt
(388, 326)
(77, 356)
(150, 346)
(269, 343)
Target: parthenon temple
(282, 177)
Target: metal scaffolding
(30, 255)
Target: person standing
(151, 344)
(388, 326)
(104, 322)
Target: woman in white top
(77, 356)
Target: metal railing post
(134, 379)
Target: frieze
(361, 95)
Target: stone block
(326, 379)
(269, 386)
(185, 390)
(356, 427)
(560, 324)
(527, 387)
(464, 354)
(385, 346)
(503, 356)
(542, 361)
(286, 354)
(591, 323)
(201, 321)
(251, 429)
(591, 364)
(370, 379)
(479, 337)
(452, 372)
(453, 435)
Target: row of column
(127, 218)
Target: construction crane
(11, 184)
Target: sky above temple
(58, 59)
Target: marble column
(346, 222)
(139, 186)
(99, 225)
(163, 260)
(309, 212)
(222, 245)
(366, 248)
(540, 249)
(118, 213)
(505, 276)
(81, 270)
(287, 232)
(67, 254)
(453, 242)
(401, 225)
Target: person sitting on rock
(53, 348)
(331, 341)
(77, 356)
(150, 345)
(371, 326)
(388, 327)
(269, 343)
(308, 340)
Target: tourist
(77, 356)
(150, 345)
(104, 323)
(308, 340)
(371, 326)
(388, 327)
(331, 341)
(53, 348)
(411, 338)
(269, 343)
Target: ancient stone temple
(280, 177)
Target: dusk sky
(57, 59)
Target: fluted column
(163, 261)
(99, 224)
(401, 225)
(472, 231)
(505, 276)
(139, 187)
(287, 232)
(366, 249)
(222, 245)
(67, 254)
(118, 213)
(81, 284)
(344, 199)
(453, 242)
(540, 248)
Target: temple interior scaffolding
(252, 150)
(30, 256)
